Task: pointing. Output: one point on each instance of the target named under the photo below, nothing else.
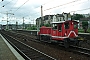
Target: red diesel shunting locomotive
(63, 31)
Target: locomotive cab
(65, 31)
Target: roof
(57, 22)
(46, 17)
(59, 15)
(62, 22)
(45, 27)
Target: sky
(31, 9)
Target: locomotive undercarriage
(66, 42)
(70, 41)
(73, 41)
(44, 38)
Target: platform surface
(7, 52)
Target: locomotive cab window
(60, 28)
(55, 26)
(75, 25)
(67, 25)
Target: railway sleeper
(35, 56)
(39, 58)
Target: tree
(33, 28)
(85, 26)
(77, 16)
(47, 25)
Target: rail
(27, 51)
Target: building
(58, 17)
(67, 16)
(47, 19)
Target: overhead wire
(60, 5)
(14, 4)
(81, 9)
(75, 4)
(12, 8)
(21, 6)
(52, 7)
(41, 5)
(7, 3)
(63, 4)
(27, 1)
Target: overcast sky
(30, 9)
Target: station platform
(7, 52)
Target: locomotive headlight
(72, 22)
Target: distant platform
(84, 33)
(7, 52)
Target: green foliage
(32, 28)
(82, 30)
(77, 16)
(47, 25)
(85, 24)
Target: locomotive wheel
(66, 43)
(76, 43)
(49, 38)
(81, 43)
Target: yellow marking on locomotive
(80, 38)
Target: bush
(82, 30)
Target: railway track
(28, 52)
(73, 49)
(77, 49)
(81, 50)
